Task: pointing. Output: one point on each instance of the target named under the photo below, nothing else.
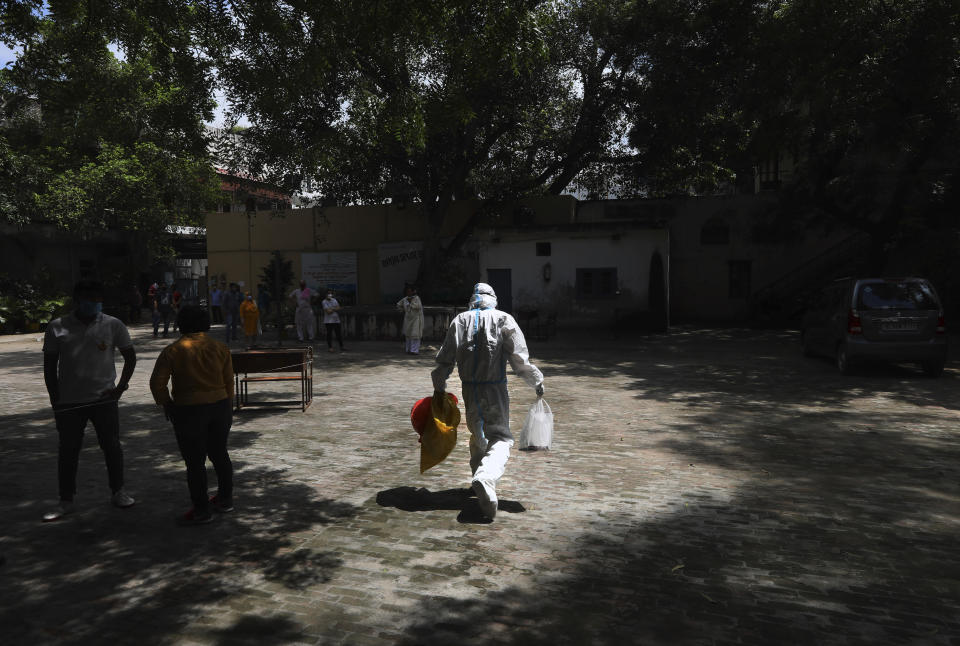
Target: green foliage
(863, 95)
(276, 277)
(877, 125)
(89, 139)
(277, 274)
(422, 101)
(23, 303)
(438, 101)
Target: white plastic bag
(537, 430)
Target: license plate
(900, 326)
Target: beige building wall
(701, 267)
(239, 244)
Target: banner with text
(399, 264)
(336, 270)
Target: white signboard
(399, 263)
(336, 270)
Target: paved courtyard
(705, 487)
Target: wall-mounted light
(547, 273)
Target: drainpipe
(249, 249)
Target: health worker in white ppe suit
(480, 342)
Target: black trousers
(331, 329)
(232, 320)
(70, 427)
(202, 431)
(162, 314)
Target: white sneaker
(487, 501)
(122, 499)
(65, 508)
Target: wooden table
(275, 364)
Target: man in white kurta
(481, 341)
(412, 320)
(305, 320)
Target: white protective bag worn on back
(537, 430)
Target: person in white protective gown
(412, 309)
(306, 323)
(481, 341)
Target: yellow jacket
(249, 314)
(201, 368)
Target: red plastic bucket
(420, 414)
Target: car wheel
(843, 361)
(933, 368)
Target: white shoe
(65, 508)
(486, 499)
(122, 499)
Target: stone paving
(705, 487)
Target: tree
(428, 102)
(276, 277)
(863, 94)
(877, 128)
(89, 139)
(689, 120)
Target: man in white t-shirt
(331, 319)
(80, 374)
(305, 320)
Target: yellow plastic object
(440, 435)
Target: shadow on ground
(842, 531)
(462, 500)
(104, 575)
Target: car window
(897, 295)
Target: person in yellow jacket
(249, 316)
(201, 409)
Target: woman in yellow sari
(249, 316)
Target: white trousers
(411, 345)
(488, 461)
(306, 323)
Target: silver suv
(884, 319)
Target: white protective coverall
(412, 322)
(306, 322)
(481, 341)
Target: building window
(739, 278)
(543, 249)
(597, 282)
(768, 172)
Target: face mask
(89, 308)
(329, 295)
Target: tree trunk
(430, 276)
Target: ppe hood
(483, 297)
